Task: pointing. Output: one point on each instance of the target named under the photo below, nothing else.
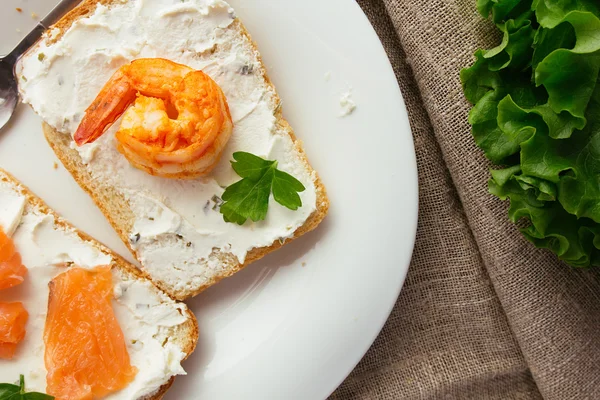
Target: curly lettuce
(536, 116)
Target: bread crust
(116, 208)
(186, 334)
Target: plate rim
(415, 192)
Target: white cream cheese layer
(144, 314)
(177, 223)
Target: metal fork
(9, 93)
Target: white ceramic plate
(293, 325)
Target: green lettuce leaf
(547, 40)
(575, 241)
(536, 111)
(516, 50)
(550, 13)
(503, 10)
(492, 93)
(569, 75)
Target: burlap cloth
(483, 314)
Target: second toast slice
(159, 332)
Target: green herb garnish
(536, 116)
(249, 197)
(17, 392)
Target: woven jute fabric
(483, 314)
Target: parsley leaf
(285, 190)
(250, 166)
(17, 392)
(8, 391)
(249, 197)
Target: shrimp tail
(111, 102)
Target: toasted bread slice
(183, 335)
(117, 208)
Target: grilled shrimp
(176, 120)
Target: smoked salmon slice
(7, 350)
(13, 318)
(85, 352)
(12, 272)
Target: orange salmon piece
(7, 350)
(85, 354)
(13, 318)
(12, 272)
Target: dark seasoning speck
(218, 203)
(247, 69)
(133, 239)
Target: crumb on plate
(19, 9)
(347, 104)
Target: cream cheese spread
(144, 313)
(177, 222)
(11, 209)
